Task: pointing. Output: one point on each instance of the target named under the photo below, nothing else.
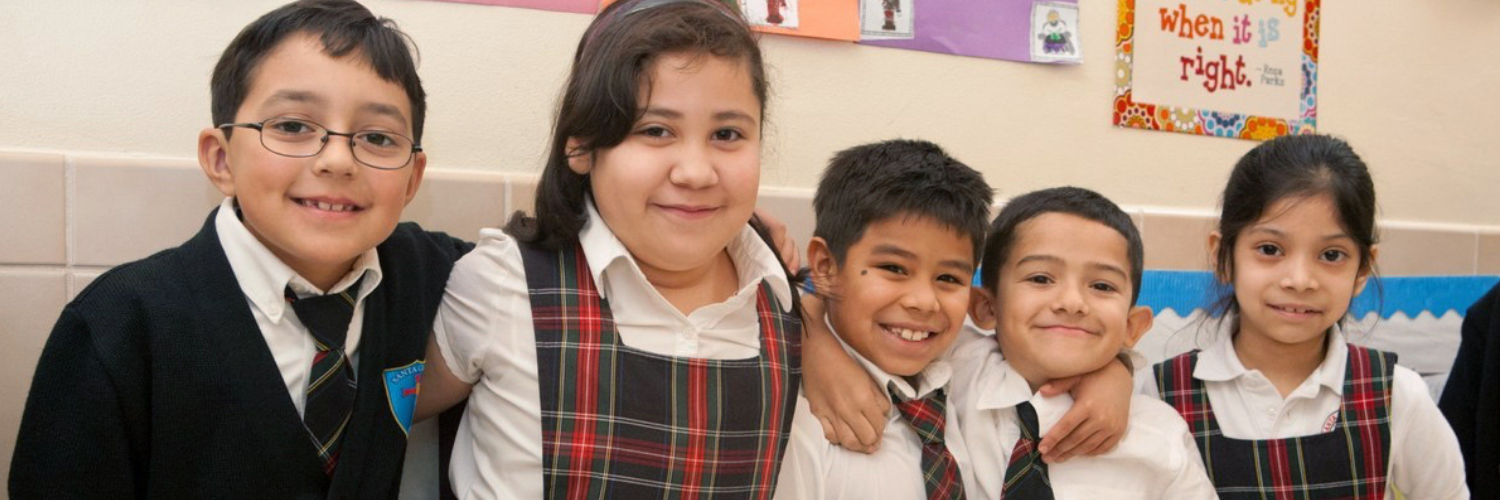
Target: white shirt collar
(263, 277)
(753, 260)
(999, 385)
(1219, 363)
(934, 376)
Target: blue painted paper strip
(1187, 291)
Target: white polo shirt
(485, 332)
(1424, 462)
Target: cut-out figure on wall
(891, 8)
(1055, 36)
(773, 11)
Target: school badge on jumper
(402, 384)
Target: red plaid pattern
(940, 474)
(1348, 463)
(623, 423)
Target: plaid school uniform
(1349, 462)
(618, 422)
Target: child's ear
(580, 162)
(213, 158)
(1137, 323)
(821, 262)
(982, 307)
(1367, 270)
(1214, 239)
(418, 169)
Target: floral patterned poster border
(1159, 116)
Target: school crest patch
(402, 384)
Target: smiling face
(1061, 306)
(900, 296)
(1295, 272)
(316, 214)
(684, 181)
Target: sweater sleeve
(1461, 396)
(74, 440)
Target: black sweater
(1471, 397)
(156, 382)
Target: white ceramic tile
(459, 203)
(30, 300)
(1176, 241)
(34, 222)
(129, 208)
(1412, 250)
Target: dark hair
(600, 102)
(869, 183)
(344, 27)
(1065, 200)
(1294, 166)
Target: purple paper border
(995, 29)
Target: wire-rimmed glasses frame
(299, 138)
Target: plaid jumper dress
(619, 422)
(1350, 462)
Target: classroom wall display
(826, 19)
(995, 29)
(1054, 32)
(578, 6)
(886, 19)
(773, 13)
(1245, 69)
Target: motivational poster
(1229, 68)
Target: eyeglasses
(297, 138)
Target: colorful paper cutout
(1246, 69)
(995, 29)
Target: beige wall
(1407, 82)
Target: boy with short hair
(899, 227)
(277, 353)
(1061, 274)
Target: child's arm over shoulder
(475, 329)
(1425, 458)
(848, 405)
(84, 431)
(1098, 418)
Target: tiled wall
(68, 218)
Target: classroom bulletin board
(1245, 69)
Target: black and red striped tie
(331, 384)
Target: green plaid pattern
(618, 422)
(927, 416)
(1350, 462)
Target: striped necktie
(331, 385)
(940, 472)
(1026, 477)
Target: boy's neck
(1285, 365)
(689, 289)
(1033, 381)
(325, 279)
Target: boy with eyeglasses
(276, 354)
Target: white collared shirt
(1425, 461)
(263, 278)
(812, 468)
(1156, 459)
(485, 333)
